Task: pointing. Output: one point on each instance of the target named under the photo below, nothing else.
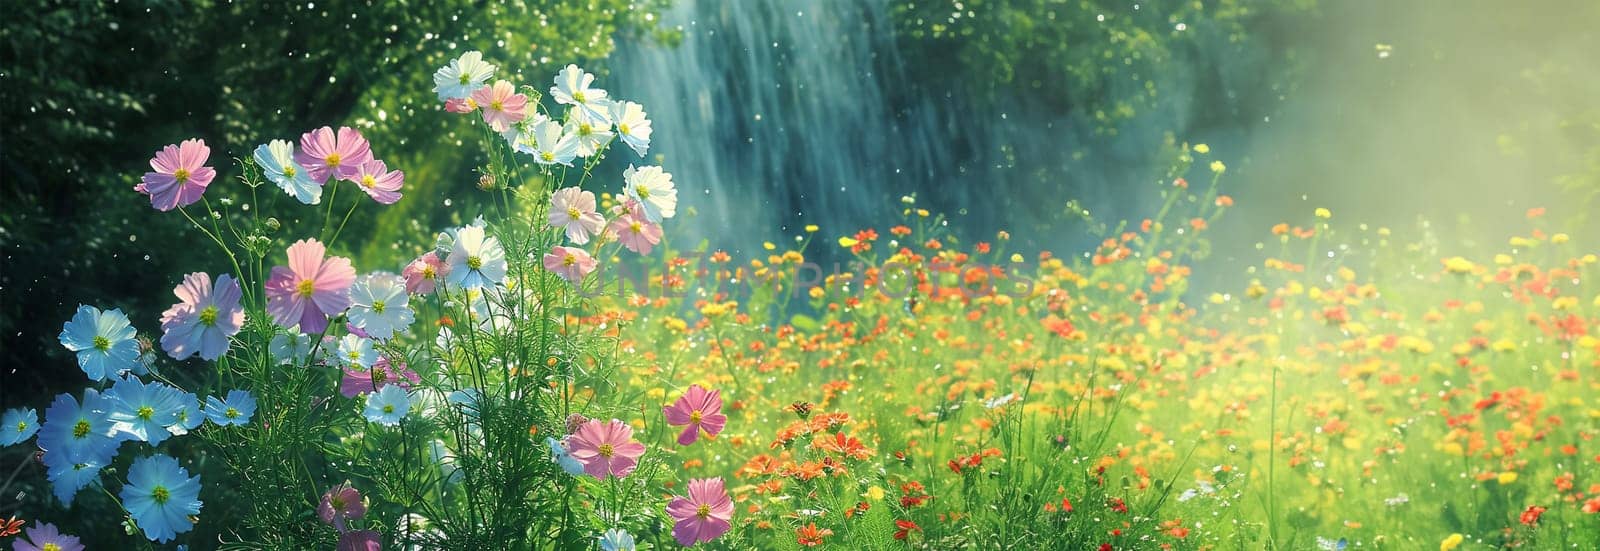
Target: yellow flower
(1202, 148)
(1451, 542)
(847, 242)
(875, 493)
(1560, 238)
(769, 246)
(1458, 265)
(1218, 167)
(811, 228)
(1324, 213)
(1507, 477)
(1016, 257)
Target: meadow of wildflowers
(555, 374)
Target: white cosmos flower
(572, 88)
(276, 159)
(357, 352)
(550, 145)
(379, 305)
(653, 189)
(477, 260)
(591, 133)
(463, 76)
(632, 125)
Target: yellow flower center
(578, 96)
(182, 175)
(606, 450)
(160, 495)
(231, 413)
(644, 192)
(388, 409)
(428, 272)
(146, 412)
(569, 260)
(288, 171)
(695, 416)
(704, 512)
(547, 156)
(22, 426)
(101, 343)
(377, 306)
(472, 104)
(474, 262)
(584, 129)
(623, 128)
(573, 213)
(636, 227)
(368, 181)
(208, 316)
(81, 429)
(496, 105)
(332, 160)
(306, 288)
(51, 547)
(466, 78)
(378, 377)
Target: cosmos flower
(18, 425)
(653, 189)
(423, 274)
(341, 503)
(573, 210)
(571, 263)
(460, 106)
(501, 105)
(551, 144)
(606, 448)
(477, 259)
(590, 133)
(388, 405)
(632, 125)
(180, 176)
(617, 540)
(463, 76)
(327, 156)
(161, 496)
(204, 319)
(78, 440)
(144, 411)
(237, 409)
(276, 159)
(634, 231)
(189, 415)
(573, 88)
(703, 515)
(311, 289)
(289, 347)
(357, 352)
(563, 458)
(360, 540)
(379, 306)
(698, 409)
(382, 373)
(104, 342)
(45, 537)
(382, 184)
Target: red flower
(1117, 505)
(811, 536)
(1105, 547)
(11, 527)
(1531, 516)
(905, 528)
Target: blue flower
(161, 496)
(144, 411)
(18, 425)
(388, 406)
(559, 454)
(77, 441)
(617, 540)
(236, 410)
(103, 341)
(189, 417)
(276, 159)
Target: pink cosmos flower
(205, 318)
(45, 536)
(360, 540)
(310, 289)
(341, 503)
(702, 516)
(635, 232)
(460, 105)
(423, 274)
(605, 448)
(179, 179)
(573, 210)
(571, 263)
(378, 181)
(501, 105)
(382, 374)
(323, 155)
(699, 409)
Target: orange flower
(811, 536)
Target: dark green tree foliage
(90, 90)
(1103, 60)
